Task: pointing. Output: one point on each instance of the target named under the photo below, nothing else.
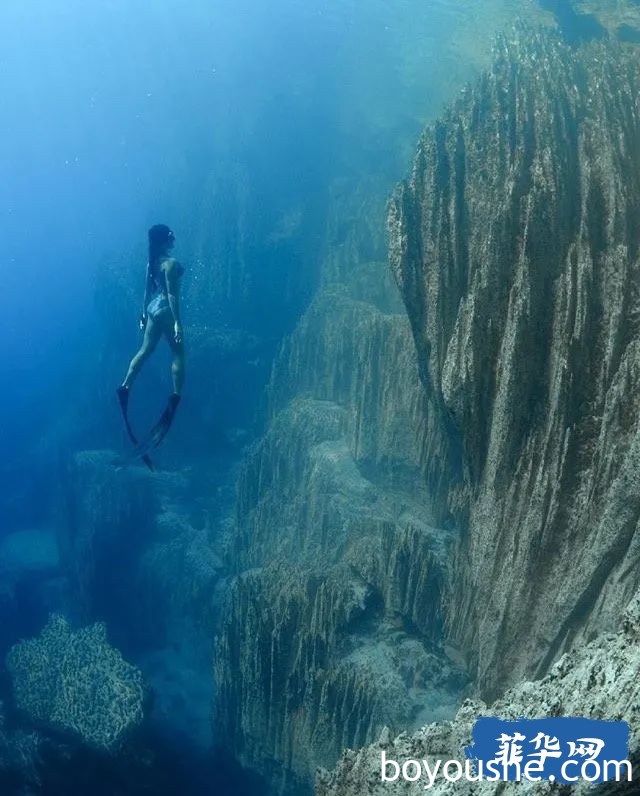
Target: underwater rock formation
(128, 528)
(596, 681)
(332, 626)
(515, 246)
(99, 507)
(76, 681)
(491, 503)
(19, 752)
(26, 552)
(139, 552)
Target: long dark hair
(159, 236)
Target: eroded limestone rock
(597, 681)
(515, 245)
(333, 622)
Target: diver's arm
(172, 275)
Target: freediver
(160, 316)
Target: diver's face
(171, 242)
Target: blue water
(242, 125)
(576, 26)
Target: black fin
(158, 432)
(123, 399)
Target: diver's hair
(159, 237)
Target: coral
(74, 680)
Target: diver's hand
(177, 332)
(142, 322)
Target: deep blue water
(241, 124)
(575, 26)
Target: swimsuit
(160, 302)
(158, 305)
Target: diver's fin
(158, 432)
(123, 399)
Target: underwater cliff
(333, 628)
(406, 490)
(510, 469)
(515, 244)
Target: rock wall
(19, 754)
(332, 627)
(596, 681)
(137, 551)
(515, 246)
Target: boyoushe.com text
(428, 773)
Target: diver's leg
(177, 363)
(161, 429)
(152, 333)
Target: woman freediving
(160, 317)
